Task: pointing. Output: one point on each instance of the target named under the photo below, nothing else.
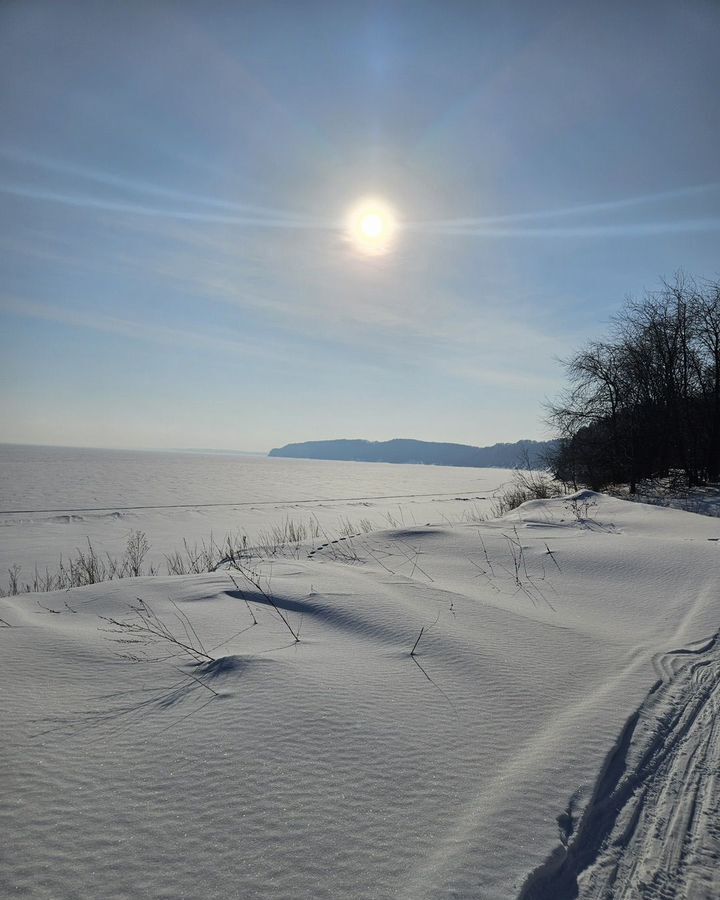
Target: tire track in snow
(652, 827)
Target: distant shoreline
(406, 451)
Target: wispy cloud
(128, 328)
(51, 167)
(487, 226)
(274, 351)
(498, 227)
(83, 201)
(511, 377)
(629, 229)
(47, 166)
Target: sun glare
(371, 226)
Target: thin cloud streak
(139, 331)
(142, 187)
(84, 202)
(582, 209)
(510, 378)
(417, 357)
(277, 354)
(250, 216)
(635, 229)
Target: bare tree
(647, 399)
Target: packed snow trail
(652, 827)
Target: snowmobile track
(651, 829)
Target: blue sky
(175, 179)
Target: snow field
(341, 766)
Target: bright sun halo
(371, 226)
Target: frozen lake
(53, 499)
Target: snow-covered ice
(53, 499)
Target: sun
(371, 226)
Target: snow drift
(565, 660)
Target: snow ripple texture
(342, 767)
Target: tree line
(645, 402)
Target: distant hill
(402, 450)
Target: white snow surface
(340, 766)
(54, 499)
